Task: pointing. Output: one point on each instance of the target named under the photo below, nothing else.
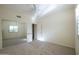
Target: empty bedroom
(39, 29)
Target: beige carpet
(37, 48)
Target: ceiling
(44, 9)
(21, 8)
(35, 11)
(29, 8)
(10, 11)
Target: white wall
(11, 15)
(29, 30)
(0, 36)
(76, 33)
(58, 28)
(9, 35)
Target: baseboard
(63, 45)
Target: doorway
(34, 31)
